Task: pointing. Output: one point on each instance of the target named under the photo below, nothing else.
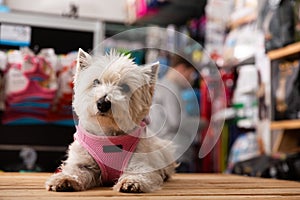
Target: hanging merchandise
(244, 98)
(241, 97)
(62, 112)
(3, 61)
(212, 101)
(30, 87)
(2, 95)
(38, 88)
(49, 55)
(231, 39)
(147, 7)
(241, 41)
(216, 26)
(277, 21)
(240, 45)
(217, 16)
(296, 5)
(285, 89)
(205, 113)
(141, 8)
(244, 12)
(228, 77)
(3, 64)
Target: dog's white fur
(152, 163)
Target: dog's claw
(131, 187)
(65, 187)
(62, 184)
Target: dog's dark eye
(96, 82)
(125, 87)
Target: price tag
(15, 35)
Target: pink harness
(112, 153)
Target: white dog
(112, 98)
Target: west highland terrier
(112, 145)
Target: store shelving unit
(49, 140)
(56, 22)
(289, 137)
(112, 19)
(53, 21)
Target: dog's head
(112, 94)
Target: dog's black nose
(103, 105)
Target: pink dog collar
(112, 153)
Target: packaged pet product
(245, 147)
(297, 19)
(3, 65)
(285, 89)
(278, 23)
(216, 27)
(240, 44)
(61, 112)
(30, 88)
(244, 97)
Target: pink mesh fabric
(112, 153)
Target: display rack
(96, 27)
(49, 140)
(121, 11)
(289, 137)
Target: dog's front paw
(63, 183)
(132, 184)
(130, 187)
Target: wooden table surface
(183, 186)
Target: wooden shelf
(285, 51)
(287, 141)
(285, 124)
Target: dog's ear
(151, 70)
(83, 59)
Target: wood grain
(285, 124)
(284, 51)
(182, 186)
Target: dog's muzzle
(103, 104)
